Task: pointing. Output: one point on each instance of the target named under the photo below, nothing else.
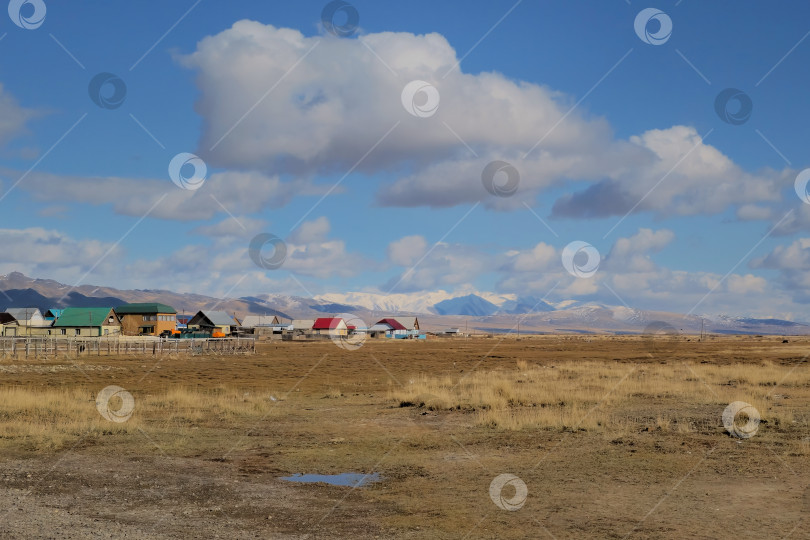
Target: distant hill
(19, 290)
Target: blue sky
(680, 223)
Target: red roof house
(333, 326)
(393, 323)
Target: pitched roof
(142, 308)
(393, 323)
(6, 318)
(53, 312)
(23, 314)
(74, 316)
(217, 318)
(252, 321)
(327, 323)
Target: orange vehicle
(217, 334)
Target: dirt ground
(333, 412)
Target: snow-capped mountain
(474, 303)
(389, 303)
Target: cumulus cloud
(754, 212)
(792, 220)
(443, 265)
(407, 251)
(795, 256)
(312, 231)
(332, 100)
(747, 284)
(233, 192)
(540, 258)
(311, 252)
(13, 117)
(38, 250)
(275, 100)
(633, 253)
(627, 275)
(686, 177)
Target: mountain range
(477, 311)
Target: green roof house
(76, 321)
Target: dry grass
(598, 396)
(199, 454)
(48, 419)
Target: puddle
(343, 479)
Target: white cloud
(312, 231)
(339, 99)
(746, 284)
(754, 212)
(311, 253)
(539, 258)
(686, 177)
(443, 265)
(795, 256)
(332, 100)
(13, 117)
(238, 193)
(36, 251)
(633, 253)
(407, 251)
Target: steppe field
(604, 436)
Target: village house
(330, 326)
(146, 319)
(8, 325)
(395, 327)
(263, 326)
(213, 321)
(28, 316)
(87, 322)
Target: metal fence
(45, 346)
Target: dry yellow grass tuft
(596, 396)
(51, 418)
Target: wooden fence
(49, 346)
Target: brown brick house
(148, 319)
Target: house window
(106, 331)
(78, 331)
(63, 331)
